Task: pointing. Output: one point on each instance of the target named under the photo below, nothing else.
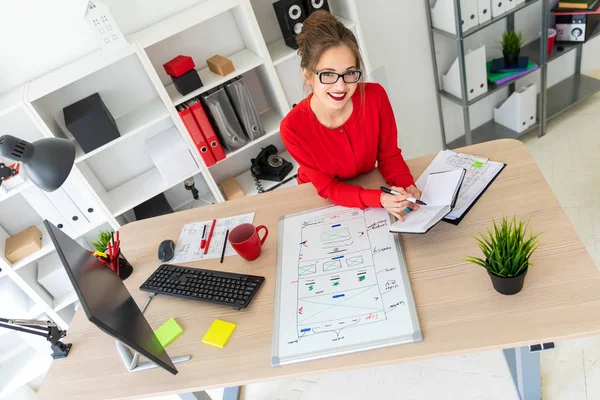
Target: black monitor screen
(106, 301)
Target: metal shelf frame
(490, 130)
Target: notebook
(440, 193)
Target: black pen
(224, 246)
(411, 199)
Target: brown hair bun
(321, 31)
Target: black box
(158, 205)
(90, 122)
(187, 82)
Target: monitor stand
(131, 360)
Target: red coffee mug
(245, 240)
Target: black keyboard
(216, 287)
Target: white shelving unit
(118, 176)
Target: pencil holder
(125, 269)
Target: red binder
(197, 136)
(208, 131)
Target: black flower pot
(508, 285)
(511, 59)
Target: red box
(179, 66)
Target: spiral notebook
(440, 194)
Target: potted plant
(101, 243)
(507, 250)
(511, 47)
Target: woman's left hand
(414, 192)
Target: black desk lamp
(49, 162)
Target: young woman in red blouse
(344, 126)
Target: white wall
(404, 57)
(38, 36)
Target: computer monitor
(106, 300)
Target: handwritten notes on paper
(188, 245)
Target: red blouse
(327, 157)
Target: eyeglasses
(329, 77)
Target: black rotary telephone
(270, 166)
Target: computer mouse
(166, 250)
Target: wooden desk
(458, 308)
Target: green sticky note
(477, 164)
(168, 332)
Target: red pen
(212, 228)
(203, 241)
(110, 255)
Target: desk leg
(524, 367)
(230, 393)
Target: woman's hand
(414, 192)
(397, 204)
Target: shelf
(47, 247)
(568, 92)
(489, 131)
(136, 191)
(246, 180)
(243, 61)
(131, 124)
(532, 50)
(181, 21)
(487, 23)
(561, 97)
(17, 189)
(65, 301)
(76, 70)
(270, 120)
(492, 88)
(11, 345)
(280, 52)
(20, 370)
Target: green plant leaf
(512, 41)
(506, 247)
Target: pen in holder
(112, 256)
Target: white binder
(47, 210)
(68, 209)
(509, 5)
(484, 8)
(83, 199)
(442, 15)
(519, 110)
(498, 7)
(476, 75)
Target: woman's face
(334, 95)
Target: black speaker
(315, 5)
(290, 15)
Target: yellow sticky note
(219, 332)
(168, 332)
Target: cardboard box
(220, 65)
(23, 244)
(231, 189)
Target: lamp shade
(49, 161)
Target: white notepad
(440, 193)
